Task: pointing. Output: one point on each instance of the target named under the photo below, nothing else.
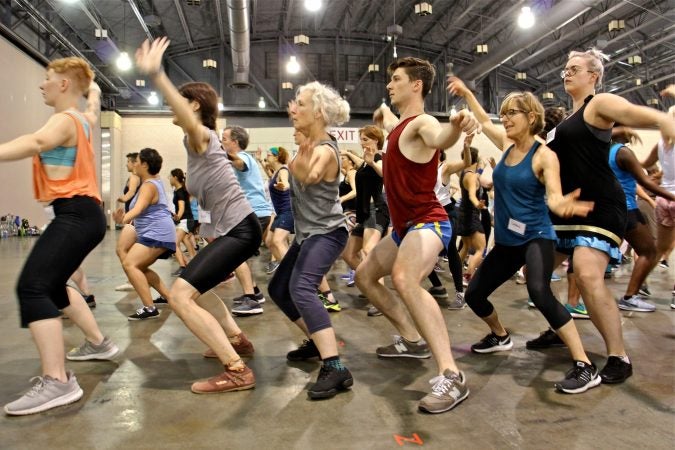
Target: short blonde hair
(525, 101)
(74, 68)
(594, 58)
(333, 108)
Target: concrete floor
(143, 399)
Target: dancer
(280, 194)
(64, 178)
(421, 230)
(182, 216)
(226, 217)
(155, 233)
(527, 184)
(320, 234)
(127, 236)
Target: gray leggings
(294, 284)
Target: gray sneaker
(458, 302)
(635, 303)
(46, 393)
(401, 348)
(447, 391)
(105, 350)
(259, 297)
(248, 307)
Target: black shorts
(264, 222)
(468, 224)
(192, 225)
(633, 218)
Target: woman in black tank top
(582, 144)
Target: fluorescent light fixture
(292, 66)
(261, 103)
(526, 18)
(123, 62)
(287, 85)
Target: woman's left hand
(118, 216)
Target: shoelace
(441, 384)
(580, 373)
(140, 311)
(324, 373)
(37, 387)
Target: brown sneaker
(243, 348)
(230, 380)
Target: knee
(180, 296)
(401, 280)
(362, 277)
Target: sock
(256, 290)
(334, 363)
(626, 297)
(411, 342)
(623, 358)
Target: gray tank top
(316, 207)
(212, 181)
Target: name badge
(204, 216)
(49, 212)
(550, 136)
(517, 227)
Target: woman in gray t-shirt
(320, 233)
(225, 215)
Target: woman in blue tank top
(527, 185)
(155, 233)
(280, 194)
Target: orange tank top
(82, 180)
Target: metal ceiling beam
(139, 16)
(183, 22)
(366, 73)
(219, 16)
(559, 16)
(286, 20)
(649, 83)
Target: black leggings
(218, 259)
(77, 228)
(502, 262)
(454, 262)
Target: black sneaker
(580, 378)
(160, 301)
(547, 339)
(144, 313)
(616, 370)
(329, 382)
(91, 301)
(307, 350)
(493, 343)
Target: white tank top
(442, 193)
(667, 160)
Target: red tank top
(410, 186)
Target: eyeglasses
(509, 113)
(571, 71)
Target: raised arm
(471, 185)
(494, 133)
(384, 118)
(369, 158)
(450, 168)
(312, 164)
(93, 108)
(149, 62)
(652, 158)
(435, 136)
(351, 180)
(356, 159)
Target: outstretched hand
(570, 206)
(118, 215)
(149, 56)
(457, 87)
(669, 91)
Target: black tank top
(466, 208)
(368, 187)
(124, 192)
(345, 188)
(583, 152)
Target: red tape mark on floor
(415, 439)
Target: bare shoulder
(544, 156)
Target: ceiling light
(373, 68)
(481, 49)
(616, 25)
(638, 82)
(526, 18)
(100, 33)
(153, 99)
(653, 101)
(123, 62)
(635, 60)
(521, 76)
(140, 83)
(423, 9)
(69, 1)
(287, 85)
(209, 63)
(261, 103)
(221, 107)
(313, 5)
(292, 66)
(547, 96)
(300, 39)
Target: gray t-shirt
(212, 181)
(316, 207)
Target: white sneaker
(635, 303)
(124, 287)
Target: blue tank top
(155, 222)
(625, 178)
(63, 156)
(520, 200)
(281, 200)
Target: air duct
(237, 15)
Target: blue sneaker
(577, 312)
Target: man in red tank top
(421, 230)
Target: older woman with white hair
(320, 233)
